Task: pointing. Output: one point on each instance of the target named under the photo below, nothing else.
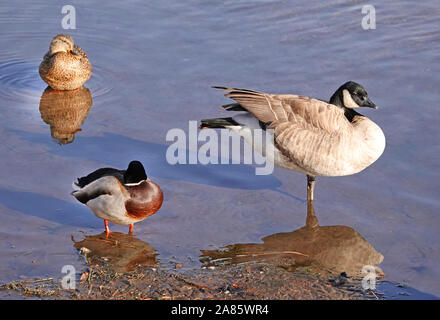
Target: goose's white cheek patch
(348, 100)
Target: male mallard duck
(310, 136)
(65, 66)
(119, 196)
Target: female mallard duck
(119, 196)
(65, 66)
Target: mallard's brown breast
(145, 199)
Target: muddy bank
(309, 263)
(244, 281)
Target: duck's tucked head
(61, 43)
(352, 95)
(135, 173)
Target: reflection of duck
(119, 196)
(65, 66)
(335, 248)
(65, 112)
(121, 251)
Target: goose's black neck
(350, 114)
(337, 101)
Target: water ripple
(20, 81)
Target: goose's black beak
(370, 104)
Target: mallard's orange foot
(130, 229)
(55, 91)
(107, 230)
(74, 90)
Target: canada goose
(310, 136)
(65, 66)
(119, 196)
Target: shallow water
(153, 66)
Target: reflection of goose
(65, 66)
(338, 248)
(119, 196)
(310, 136)
(121, 251)
(65, 112)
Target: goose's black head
(135, 173)
(352, 95)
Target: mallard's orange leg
(130, 229)
(107, 230)
(55, 91)
(74, 90)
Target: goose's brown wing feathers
(303, 126)
(305, 112)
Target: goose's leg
(107, 230)
(311, 220)
(310, 187)
(130, 228)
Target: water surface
(153, 68)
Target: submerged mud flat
(245, 281)
(119, 266)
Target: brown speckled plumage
(67, 68)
